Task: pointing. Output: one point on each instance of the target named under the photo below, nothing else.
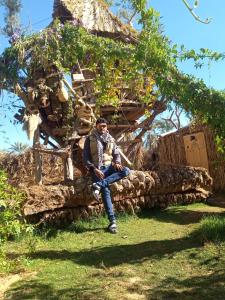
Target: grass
(154, 256)
(212, 229)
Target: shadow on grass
(177, 215)
(119, 254)
(34, 289)
(210, 286)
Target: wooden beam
(128, 126)
(125, 158)
(62, 152)
(135, 114)
(129, 142)
(119, 109)
(46, 140)
(83, 80)
(49, 142)
(122, 126)
(68, 169)
(37, 158)
(48, 130)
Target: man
(102, 159)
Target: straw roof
(95, 16)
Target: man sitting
(102, 158)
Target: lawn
(155, 255)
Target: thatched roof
(95, 16)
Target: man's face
(101, 127)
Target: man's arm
(116, 154)
(116, 162)
(87, 155)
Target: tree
(18, 147)
(12, 27)
(149, 57)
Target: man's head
(101, 125)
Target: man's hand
(99, 173)
(117, 166)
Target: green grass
(154, 256)
(212, 229)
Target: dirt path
(6, 282)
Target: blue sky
(179, 26)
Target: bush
(212, 229)
(12, 223)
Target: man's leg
(111, 175)
(106, 194)
(107, 200)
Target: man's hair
(101, 120)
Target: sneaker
(96, 191)
(112, 228)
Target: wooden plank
(119, 109)
(136, 114)
(83, 80)
(125, 158)
(62, 152)
(130, 126)
(122, 126)
(68, 169)
(48, 130)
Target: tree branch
(191, 10)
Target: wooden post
(37, 158)
(68, 169)
(68, 164)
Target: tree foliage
(18, 147)
(153, 57)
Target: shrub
(12, 223)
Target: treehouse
(87, 64)
(61, 107)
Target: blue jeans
(111, 175)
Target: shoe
(112, 228)
(96, 191)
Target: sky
(178, 25)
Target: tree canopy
(153, 56)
